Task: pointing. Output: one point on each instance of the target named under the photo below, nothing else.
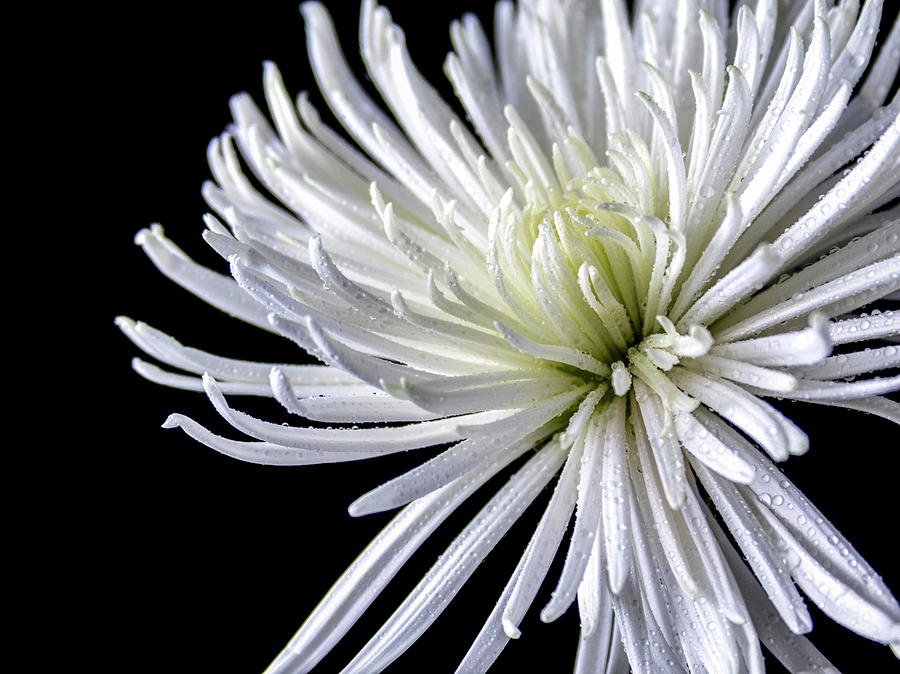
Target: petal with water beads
(426, 602)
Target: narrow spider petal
(874, 326)
(648, 571)
(426, 602)
(592, 594)
(363, 580)
(744, 279)
(453, 397)
(759, 550)
(189, 383)
(359, 407)
(820, 168)
(387, 439)
(851, 62)
(877, 405)
(830, 390)
(795, 652)
(509, 436)
(702, 443)
(493, 637)
(862, 184)
(616, 490)
(581, 360)
(779, 146)
(747, 373)
(700, 644)
(884, 70)
(674, 163)
(664, 517)
(747, 639)
(544, 543)
(829, 590)
(743, 410)
(601, 651)
(706, 554)
(808, 527)
(665, 447)
(353, 107)
(264, 453)
(646, 651)
(165, 348)
(587, 520)
(579, 421)
(215, 289)
(805, 347)
(725, 236)
(852, 364)
(858, 288)
(859, 252)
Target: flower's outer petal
(544, 542)
(758, 549)
(369, 406)
(520, 590)
(264, 453)
(804, 347)
(587, 519)
(708, 448)
(875, 326)
(742, 372)
(759, 420)
(314, 379)
(454, 567)
(220, 291)
(492, 638)
(877, 405)
(852, 364)
(666, 449)
(384, 439)
(593, 592)
(795, 652)
(831, 592)
(663, 517)
(510, 434)
(602, 651)
(190, 383)
(823, 548)
(363, 580)
(873, 175)
(884, 70)
(811, 389)
(859, 252)
(616, 494)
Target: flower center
(598, 271)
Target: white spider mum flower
(651, 225)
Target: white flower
(655, 224)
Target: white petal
(587, 521)
(363, 580)
(426, 602)
(710, 449)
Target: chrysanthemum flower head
(649, 224)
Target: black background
(192, 562)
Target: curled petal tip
(141, 237)
(172, 421)
(359, 508)
(510, 629)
